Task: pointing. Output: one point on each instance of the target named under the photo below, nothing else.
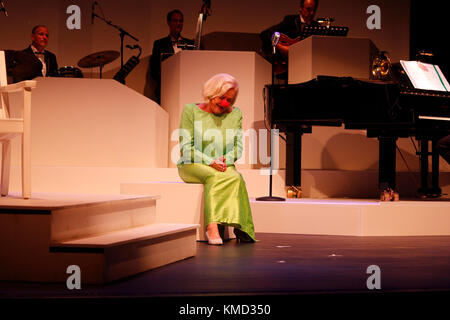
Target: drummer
(35, 61)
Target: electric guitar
(280, 58)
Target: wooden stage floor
(278, 268)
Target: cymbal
(98, 59)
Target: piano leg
(435, 169)
(294, 164)
(423, 156)
(425, 190)
(386, 168)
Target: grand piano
(387, 110)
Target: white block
(96, 123)
(331, 56)
(180, 203)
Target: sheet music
(425, 76)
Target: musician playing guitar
(291, 31)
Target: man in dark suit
(167, 46)
(291, 30)
(33, 61)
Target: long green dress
(205, 137)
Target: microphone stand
(3, 8)
(270, 197)
(122, 35)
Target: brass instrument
(381, 66)
(294, 192)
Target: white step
(88, 219)
(122, 237)
(180, 203)
(315, 183)
(108, 237)
(108, 257)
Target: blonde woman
(210, 144)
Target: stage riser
(305, 219)
(315, 183)
(24, 247)
(93, 122)
(182, 203)
(34, 234)
(89, 220)
(140, 257)
(124, 261)
(309, 216)
(353, 217)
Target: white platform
(108, 237)
(184, 203)
(351, 217)
(94, 123)
(332, 56)
(315, 183)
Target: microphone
(92, 11)
(325, 21)
(2, 8)
(275, 39)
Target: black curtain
(429, 31)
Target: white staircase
(107, 237)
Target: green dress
(205, 137)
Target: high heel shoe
(241, 236)
(215, 241)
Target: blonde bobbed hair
(218, 85)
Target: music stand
(324, 31)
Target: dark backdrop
(429, 31)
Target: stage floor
(280, 269)
(278, 264)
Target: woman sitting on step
(210, 143)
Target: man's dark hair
(36, 27)
(302, 3)
(171, 13)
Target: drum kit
(102, 58)
(97, 59)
